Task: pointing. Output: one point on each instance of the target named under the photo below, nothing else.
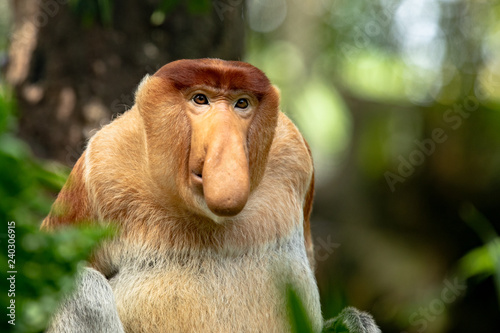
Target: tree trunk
(72, 76)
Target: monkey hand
(351, 320)
(91, 307)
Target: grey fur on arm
(91, 308)
(353, 321)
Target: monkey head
(209, 126)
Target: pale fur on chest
(212, 291)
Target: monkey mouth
(197, 177)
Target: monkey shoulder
(289, 143)
(289, 156)
(115, 162)
(120, 143)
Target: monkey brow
(219, 91)
(222, 78)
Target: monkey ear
(141, 86)
(277, 91)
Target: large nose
(219, 141)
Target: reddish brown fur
(227, 75)
(72, 202)
(307, 216)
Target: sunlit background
(399, 101)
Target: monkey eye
(242, 103)
(200, 99)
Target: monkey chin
(205, 211)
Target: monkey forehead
(216, 73)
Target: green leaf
(477, 262)
(199, 6)
(106, 11)
(298, 318)
(167, 5)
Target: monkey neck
(142, 254)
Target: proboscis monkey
(211, 188)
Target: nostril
(197, 174)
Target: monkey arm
(351, 320)
(91, 308)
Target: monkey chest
(213, 294)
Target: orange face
(218, 159)
(222, 116)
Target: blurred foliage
(483, 261)
(45, 263)
(4, 29)
(101, 11)
(91, 11)
(311, 102)
(393, 53)
(369, 83)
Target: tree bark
(72, 77)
